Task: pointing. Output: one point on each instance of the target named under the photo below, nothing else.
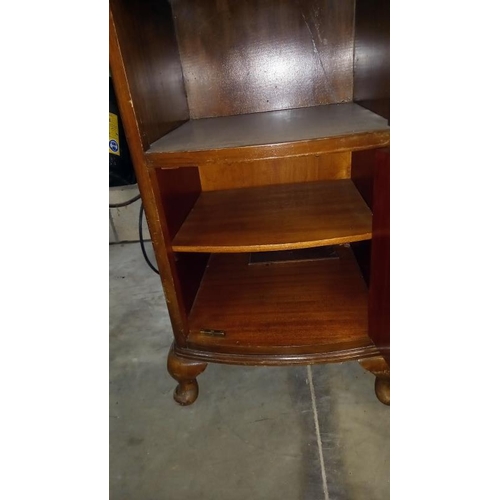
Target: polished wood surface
(372, 55)
(279, 217)
(272, 127)
(370, 172)
(260, 55)
(259, 60)
(285, 170)
(279, 357)
(288, 307)
(379, 294)
(151, 62)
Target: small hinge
(213, 333)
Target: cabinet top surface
(272, 127)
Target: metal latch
(213, 333)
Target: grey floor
(270, 433)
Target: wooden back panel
(152, 64)
(261, 55)
(371, 55)
(230, 175)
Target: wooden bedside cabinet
(259, 134)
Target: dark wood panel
(151, 60)
(260, 55)
(282, 217)
(179, 189)
(372, 55)
(313, 306)
(190, 269)
(362, 172)
(379, 292)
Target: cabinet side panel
(148, 46)
(362, 171)
(262, 55)
(149, 191)
(379, 291)
(371, 55)
(370, 174)
(179, 188)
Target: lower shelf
(298, 307)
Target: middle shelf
(278, 217)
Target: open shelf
(280, 217)
(315, 306)
(348, 125)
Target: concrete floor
(270, 433)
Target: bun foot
(379, 367)
(382, 390)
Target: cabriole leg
(185, 372)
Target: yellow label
(114, 143)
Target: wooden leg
(185, 372)
(380, 369)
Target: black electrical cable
(125, 203)
(141, 241)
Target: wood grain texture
(279, 217)
(372, 55)
(152, 66)
(260, 55)
(177, 192)
(288, 307)
(286, 170)
(147, 186)
(272, 127)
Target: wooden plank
(279, 217)
(272, 127)
(260, 55)
(152, 64)
(286, 170)
(312, 306)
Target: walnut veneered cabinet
(260, 137)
